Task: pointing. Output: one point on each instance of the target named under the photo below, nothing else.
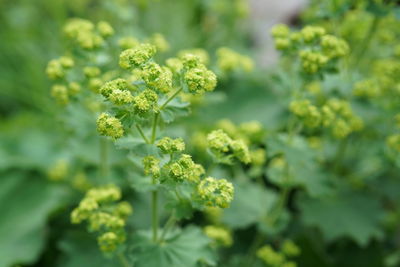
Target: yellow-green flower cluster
(229, 60)
(168, 145)
(312, 61)
(57, 68)
(220, 235)
(87, 35)
(196, 75)
(308, 113)
(335, 114)
(60, 93)
(184, 169)
(215, 192)
(313, 46)
(224, 147)
(145, 101)
(275, 258)
(157, 77)
(368, 88)
(105, 215)
(387, 73)
(108, 125)
(199, 52)
(137, 56)
(151, 166)
(393, 142)
(250, 132)
(91, 71)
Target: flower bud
(109, 126)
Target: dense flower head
(334, 47)
(224, 147)
(91, 71)
(190, 61)
(105, 29)
(117, 84)
(220, 235)
(306, 111)
(120, 97)
(240, 151)
(269, 256)
(219, 141)
(60, 93)
(290, 249)
(185, 169)
(258, 157)
(83, 32)
(108, 125)
(145, 101)
(280, 31)
(312, 33)
(312, 45)
(108, 241)
(368, 88)
(151, 166)
(229, 60)
(312, 61)
(74, 88)
(200, 53)
(56, 68)
(95, 84)
(157, 77)
(215, 192)
(136, 56)
(104, 214)
(200, 80)
(168, 145)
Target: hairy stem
(171, 97)
(367, 40)
(103, 164)
(154, 213)
(168, 225)
(122, 259)
(142, 134)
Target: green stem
(367, 40)
(168, 225)
(142, 133)
(104, 168)
(154, 210)
(123, 260)
(171, 97)
(154, 128)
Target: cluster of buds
(312, 44)
(86, 34)
(224, 148)
(215, 192)
(196, 76)
(335, 114)
(274, 258)
(368, 88)
(105, 214)
(220, 235)
(228, 60)
(108, 125)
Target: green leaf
(173, 110)
(185, 248)
(250, 204)
(346, 214)
(137, 146)
(25, 204)
(304, 169)
(81, 249)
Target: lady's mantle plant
(135, 102)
